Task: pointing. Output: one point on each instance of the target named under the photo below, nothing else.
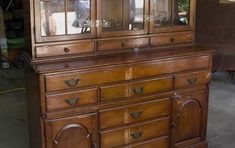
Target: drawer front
(135, 134)
(172, 66)
(69, 80)
(134, 113)
(172, 39)
(67, 100)
(157, 143)
(80, 79)
(83, 47)
(191, 79)
(122, 44)
(135, 89)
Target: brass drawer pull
(66, 50)
(192, 81)
(72, 101)
(136, 115)
(72, 82)
(138, 90)
(136, 135)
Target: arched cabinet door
(189, 119)
(74, 136)
(73, 132)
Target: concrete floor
(13, 124)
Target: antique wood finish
(174, 38)
(124, 76)
(136, 133)
(71, 99)
(57, 50)
(134, 113)
(189, 118)
(192, 79)
(78, 131)
(135, 89)
(104, 45)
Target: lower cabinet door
(189, 119)
(72, 132)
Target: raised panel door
(189, 118)
(73, 132)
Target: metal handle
(72, 82)
(173, 125)
(138, 90)
(192, 81)
(177, 95)
(136, 115)
(66, 50)
(72, 101)
(136, 135)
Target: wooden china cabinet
(116, 73)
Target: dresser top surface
(120, 58)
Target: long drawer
(121, 91)
(133, 113)
(74, 79)
(136, 133)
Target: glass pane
(182, 12)
(78, 16)
(52, 18)
(162, 13)
(122, 15)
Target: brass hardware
(72, 101)
(136, 115)
(123, 45)
(192, 81)
(66, 50)
(138, 90)
(177, 95)
(136, 135)
(173, 125)
(72, 82)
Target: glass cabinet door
(170, 15)
(122, 17)
(64, 19)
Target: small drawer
(191, 79)
(114, 44)
(134, 113)
(73, 79)
(171, 39)
(57, 50)
(137, 88)
(162, 142)
(135, 133)
(67, 100)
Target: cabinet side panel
(33, 106)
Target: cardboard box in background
(3, 42)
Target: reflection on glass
(78, 16)
(182, 11)
(162, 13)
(52, 18)
(118, 15)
